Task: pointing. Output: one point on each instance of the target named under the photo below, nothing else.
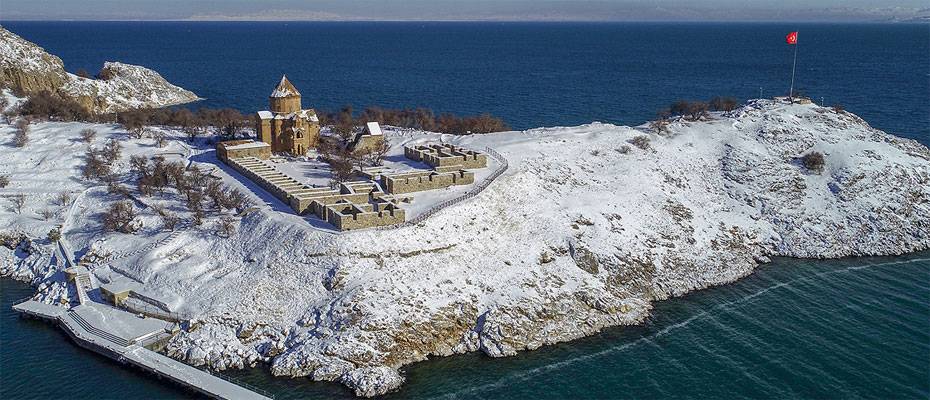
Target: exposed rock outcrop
(28, 68)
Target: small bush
(624, 149)
(838, 108)
(4, 181)
(813, 161)
(54, 235)
(641, 141)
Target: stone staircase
(83, 284)
(97, 331)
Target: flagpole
(793, 64)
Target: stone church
(288, 128)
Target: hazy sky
(539, 10)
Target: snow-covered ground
(585, 230)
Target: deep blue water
(851, 328)
(531, 74)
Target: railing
(149, 310)
(97, 331)
(501, 168)
(24, 299)
(239, 382)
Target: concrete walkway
(118, 337)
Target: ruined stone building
(287, 127)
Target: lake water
(795, 328)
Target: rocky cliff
(28, 68)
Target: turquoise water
(851, 328)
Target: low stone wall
(232, 149)
(446, 157)
(346, 216)
(426, 180)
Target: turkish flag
(792, 38)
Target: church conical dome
(285, 89)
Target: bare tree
(169, 220)
(641, 141)
(46, 214)
(118, 218)
(88, 135)
(112, 151)
(63, 198)
(226, 226)
(95, 167)
(723, 103)
(377, 154)
(697, 110)
(161, 140)
(18, 200)
(239, 201)
(660, 124)
(21, 135)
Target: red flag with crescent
(792, 38)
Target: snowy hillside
(588, 227)
(28, 67)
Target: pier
(122, 336)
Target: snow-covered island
(589, 226)
(28, 68)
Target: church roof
(285, 89)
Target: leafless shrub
(624, 149)
(161, 140)
(723, 103)
(63, 198)
(88, 135)
(19, 201)
(169, 220)
(838, 108)
(95, 166)
(641, 141)
(226, 226)
(4, 181)
(239, 201)
(112, 151)
(691, 110)
(118, 218)
(46, 214)
(118, 188)
(21, 134)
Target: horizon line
(554, 21)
